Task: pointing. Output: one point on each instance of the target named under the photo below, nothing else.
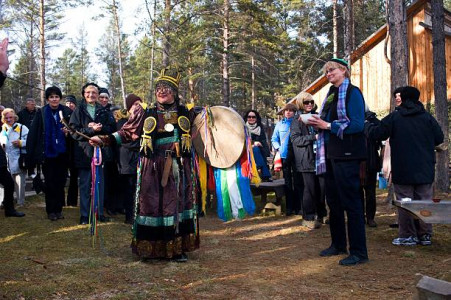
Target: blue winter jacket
(281, 137)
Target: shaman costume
(166, 222)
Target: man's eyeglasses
(308, 102)
(252, 117)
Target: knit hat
(410, 93)
(104, 93)
(130, 100)
(53, 90)
(341, 62)
(170, 76)
(290, 106)
(71, 98)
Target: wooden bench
(276, 186)
(427, 210)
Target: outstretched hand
(4, 62)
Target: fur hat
(130, 100)
(410, 93)
(53, 90)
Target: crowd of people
(328, 156)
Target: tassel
(186, 142)
(203, 182)
(211, 185)
(146, 143)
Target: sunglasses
(252, 117)
(308, 102)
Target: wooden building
(371, 72)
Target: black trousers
(111, 176)
(8, 185)
(72, 192)
(55, 175)
(312, 201)
(293, 187)
(368, 194)
(127, 194)
(343, 195)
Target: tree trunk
(254, 92)
(119, 51)
(399, 51)
(441, 102)
(225, 57)
(348, 25)
(167, 24)
(42, 48)
(31, 62)
(335, 29)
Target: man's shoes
(331, 251)
(84, 220)
(59, 216)
(425, 240)
(180, 258)
(103, 219)
(371, 223)
(409, 241)
(52, 217)
(289, 213)
(14, 213)
(352, 260)
(313, 224)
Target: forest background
(238, 53)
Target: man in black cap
(91, 119)
(413, 134)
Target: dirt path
(262, 257)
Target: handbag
(277, 162)
(21, 155)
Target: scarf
(55, 141)
(254, 128)
(343, 122)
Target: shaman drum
(221, 141)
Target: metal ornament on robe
(146, 140)
(185, 126)
(219, 141)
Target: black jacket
(373, 159)
(413, 134)
(2, 79)
(262, 139)
(26, 117)
(302, 138)
(79, 120)
(128, 154)
(36, 136)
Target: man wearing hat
(104, 97)
(340, 149)
(281, 142)
(413, 134)
(166, 224)
(90, 118)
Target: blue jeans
(343, 195)
(85, 191)
(260, 161)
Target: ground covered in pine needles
(261, 257)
